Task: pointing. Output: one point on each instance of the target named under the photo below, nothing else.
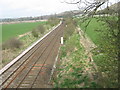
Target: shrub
(4, 46)
(69, 29)
(35, 33)
(12, 43)
(41, 29)
(53, 21)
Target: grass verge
(105, 55)
(74, 70)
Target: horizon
(34, 16)
(11, 9)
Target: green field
(96, 28)
(92, 30)
(100, 32)
(13, 30)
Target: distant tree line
(31, 18)
(60, 15)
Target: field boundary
(28, 49)
(15, 22)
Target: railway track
(33, 68)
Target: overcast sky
(23, 8)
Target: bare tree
(89, 7)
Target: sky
(24, 8)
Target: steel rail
(26, 51)
(44, 62)
(54, 29)
(37, 60)
(21, 55)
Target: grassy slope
(94, 35)
(90, 30)
(95, 28)
(102, 60)
(12, 30)
(73, 71)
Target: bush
(69, 29)
(53, 21)
(41, 29)
(35, 33)
(12, 43)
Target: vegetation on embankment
(74, 70)
(13, 30)
(14, 46)
(103, 31)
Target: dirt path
(22, 35)
(86, 42)
(88, 45)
